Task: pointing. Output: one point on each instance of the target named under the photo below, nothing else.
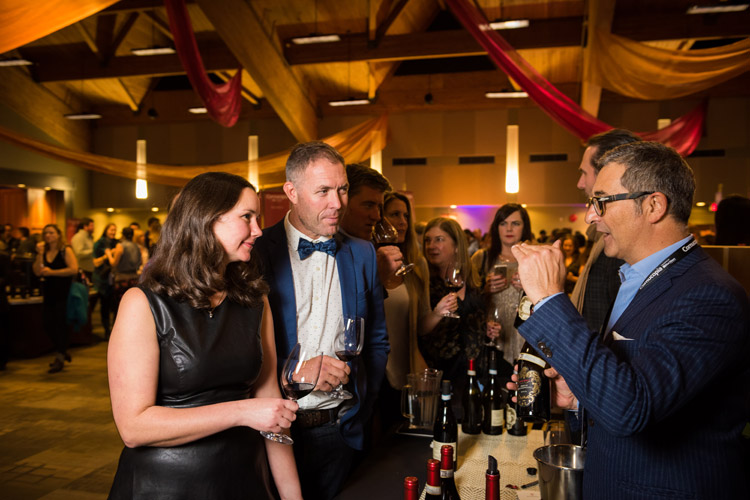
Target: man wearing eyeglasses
(599, 281)
(664, 388)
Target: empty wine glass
(347, 345)
(298, 378)
(383, 233)
(454, 281)
(493, 321)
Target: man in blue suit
(664, 386)
(316, 276)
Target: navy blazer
(666, 408)
(361, 294)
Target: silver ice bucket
(560, 471)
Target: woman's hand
(495, 283)
(516, 282)
(493, 329)
(269, 414)
(447, 304)
(40, 248)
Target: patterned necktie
(306, 247)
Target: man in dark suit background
(599, 281)
(664, 389)
(316, 275)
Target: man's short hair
(605, 141)
(651, 166)
(127, 233)
(84, 222)
(307, 152)
(359, 175)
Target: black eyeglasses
(600, 201)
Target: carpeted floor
(57, 437)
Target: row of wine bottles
(441, 484)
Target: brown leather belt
(313, 418)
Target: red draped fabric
(223, 101)
(683, 134)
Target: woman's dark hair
(106, 228)
(732, 216)
(503, 213)
(187, 264)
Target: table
(381, 474)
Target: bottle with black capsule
(472, 403)
(432, 490)
(492, 398)
(445, 430)
(447, 481)
(411, 488)
(492, 480)
(514, 425)
(533, 387)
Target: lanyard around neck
(675, 257)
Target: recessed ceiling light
(510, 25)
(154, 209)
(453, 207)
(198, 111)
(313, 38)
(22, 186)
(83, 116)
(717, 9)
(505, 95)
(700, 204)
(349, 102)
(110, 209)
(14, 61)
(153, 51)
(47, 188)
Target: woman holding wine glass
(498, 271)
(192, 359)
(446, 342)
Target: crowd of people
(204, 326)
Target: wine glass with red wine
(298, 378)
(347, 345)
(454, 281)
(383, 233)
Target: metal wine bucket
(560, 471)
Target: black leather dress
(203, 360)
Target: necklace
(221, 299)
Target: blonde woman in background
(448, 343)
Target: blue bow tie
(306, 247)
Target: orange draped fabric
(24, 21)
(355, 144)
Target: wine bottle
(533, 387)
(446, 428)
(447, 481)
(492, 398)
(492, 480)
(432, 490)
(411, 488)
(472, 402)
(514, 425)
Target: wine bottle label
(445, 474)
(471, 372)
(532, 359)
(497, 419)
(529, 385)
(436, 445)
(432, 490)
(510, 417)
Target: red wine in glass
(347, 344)
(297, 390)
(384, 234)
(454, 281)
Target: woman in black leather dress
(192, 360)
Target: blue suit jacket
(361, 294)
(665, 409)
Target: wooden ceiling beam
(386, 24)
(543, 33)
(136, 6)
(245, 35)
(80, 64)
(432, 44)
